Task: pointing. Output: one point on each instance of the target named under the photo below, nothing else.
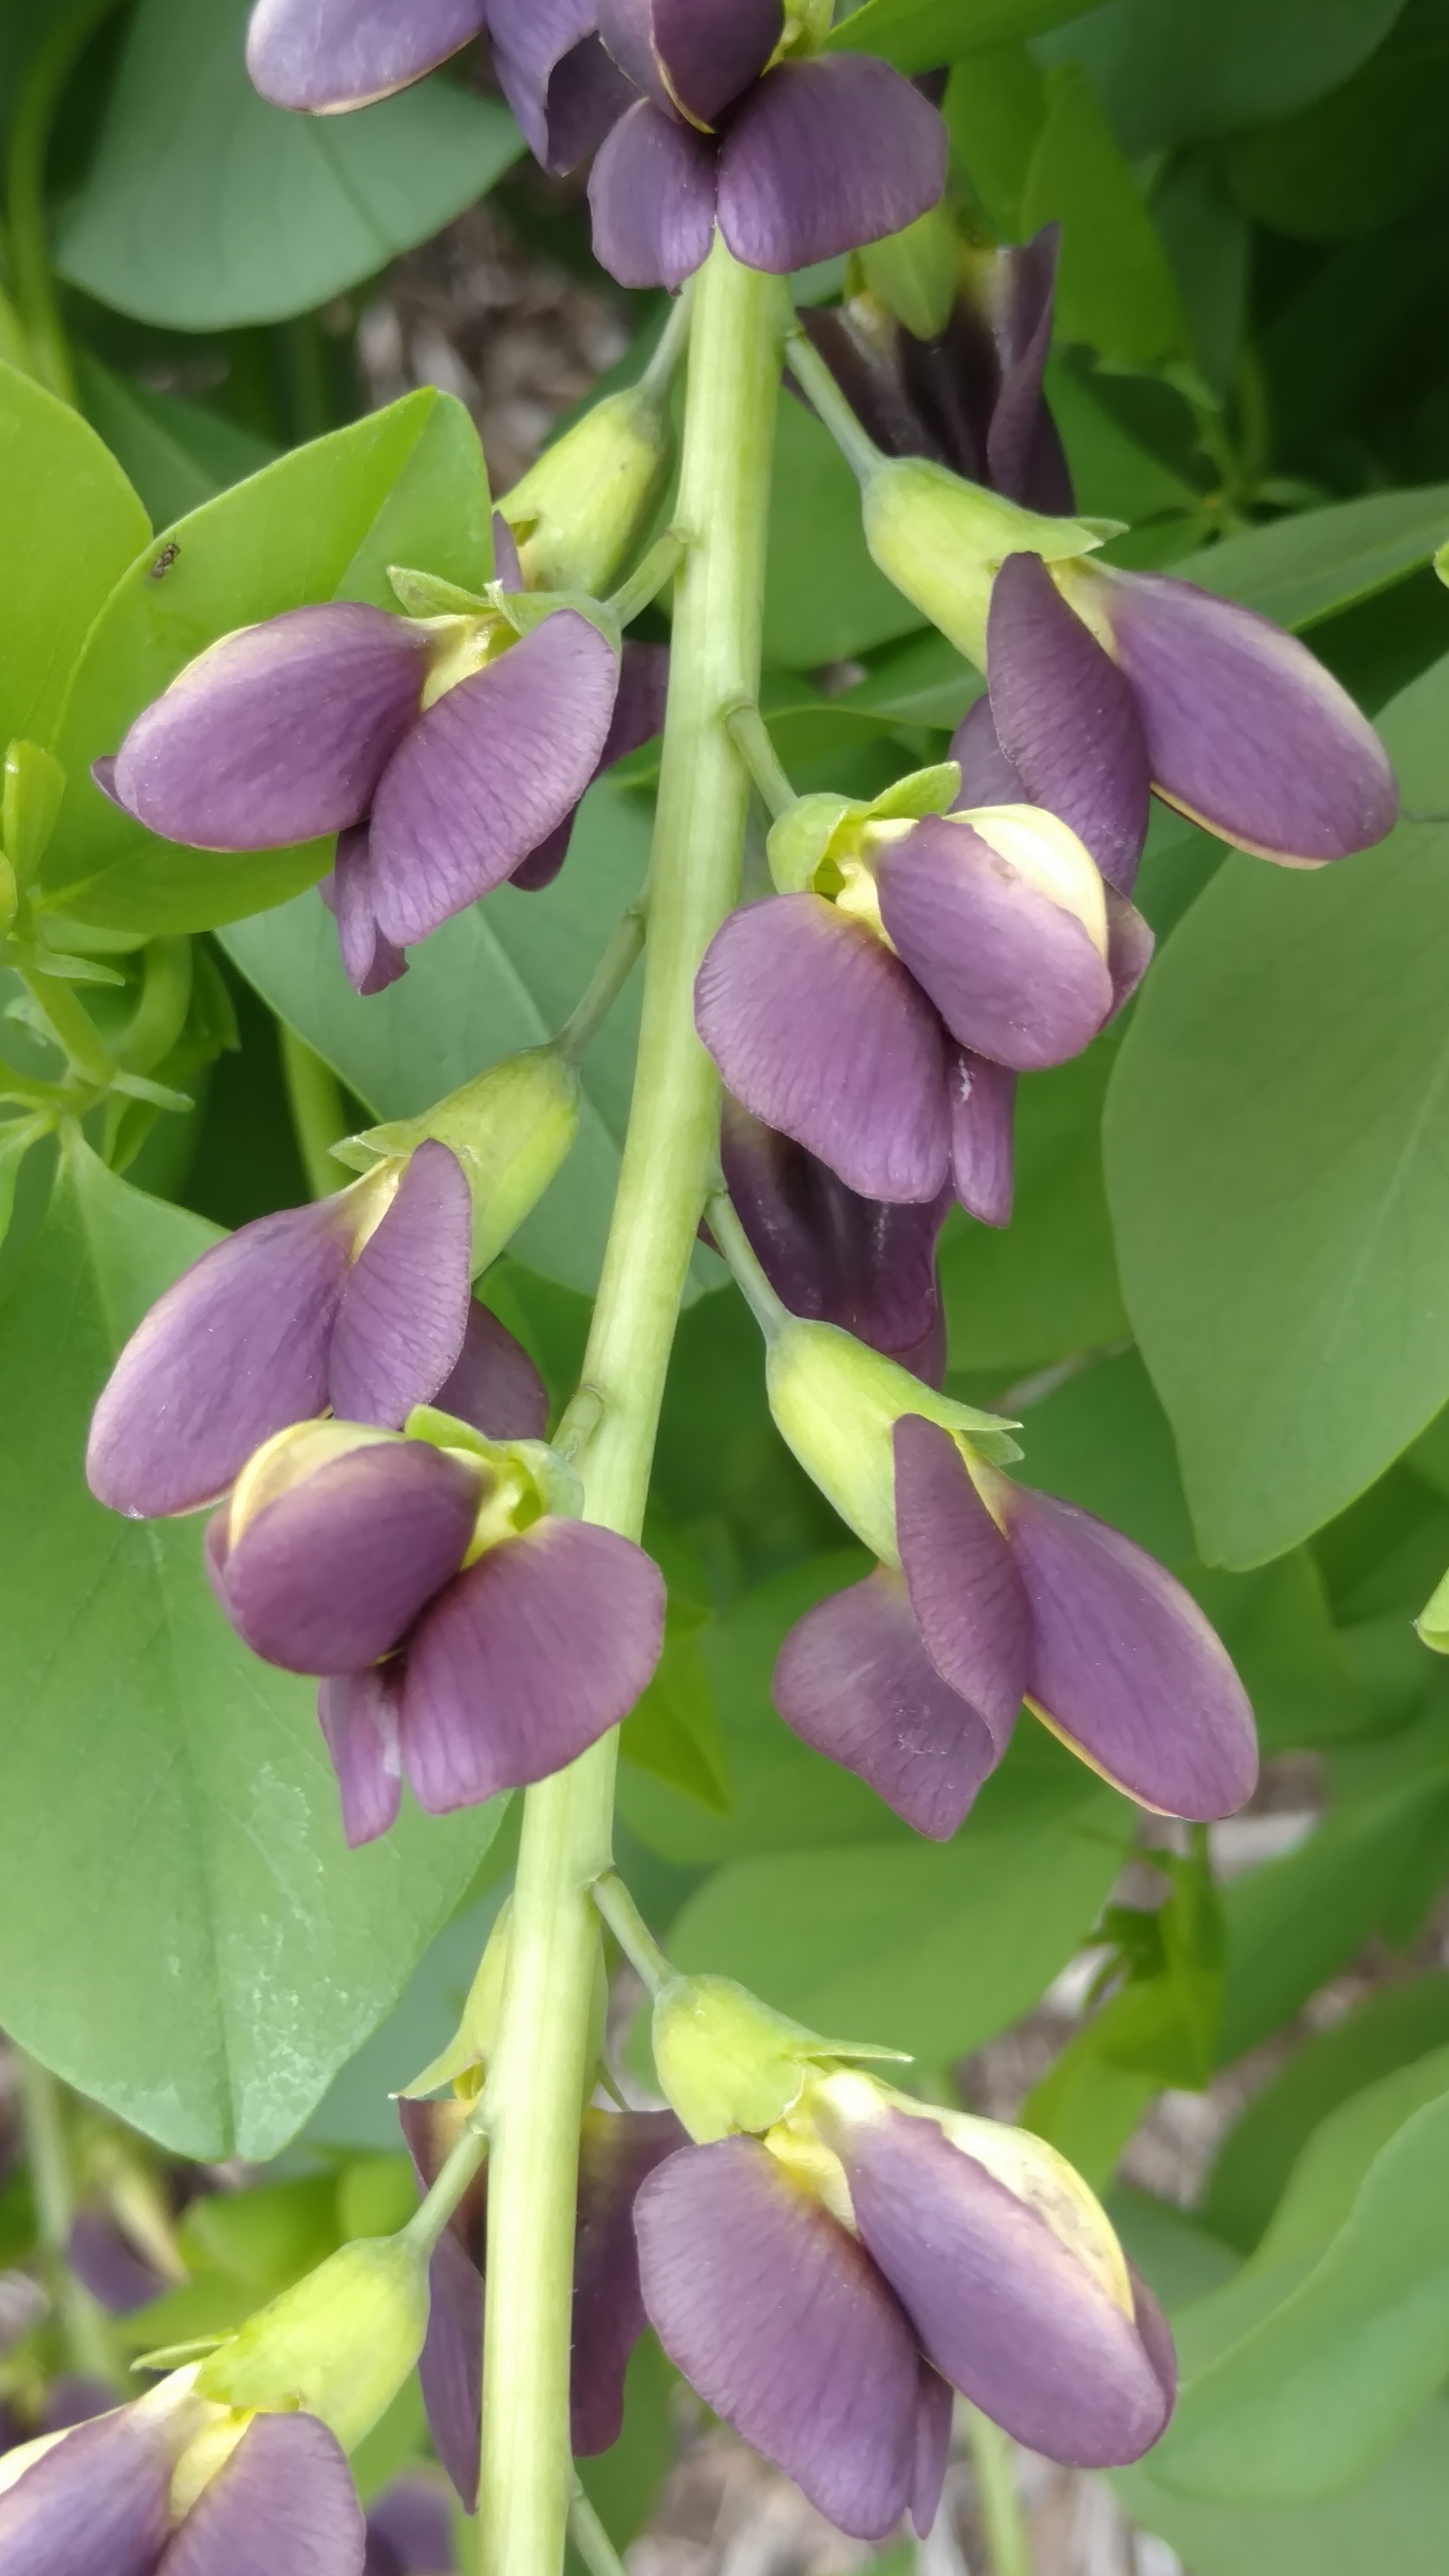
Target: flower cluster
(707, 111)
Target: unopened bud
(915, 273)
(728, 2063)
(338, 2344)
(942, 542)
(510, 1128)
(580, 512)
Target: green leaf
(917, 35)
(1200, 67)
(324, 522)
(1394, 2519)
(1301, 570)
(994, 110)
(502, 975)
(176, 454)
(928, 1947)
(1281, 1223)
(184, 1935)
(1366, 154)
(825, 601)
(69, 525)
(1115, 286)
(203, 207)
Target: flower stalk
(540, 2070)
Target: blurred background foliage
(1222, 1309)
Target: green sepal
(820, 829)
(174, 2356)
(728, 2063)
(942, 541)
(425, 594)
(554, 1482)
(78, 970)
(511, 1129)
(29, 804)
(526, 609)
(339, 2344)
(476, 2036)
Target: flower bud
(728, 2063)
(836, 1404)
(339, 2344)
(579, 513)
(942, 542)
(511, 1129)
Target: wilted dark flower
(359, 1302)
(826, 2286)
(616, 2152)
(987, 1594)
(442, 751)
(471, 1633)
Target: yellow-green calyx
(728, 2063)
(583, 509)
(943, 541)
(464, 2062)
(821, 843)
(339, 2344)
(836, 1403)
(511, 1129)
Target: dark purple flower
(638, 717)
(973, 398)
(100, 2500)
(107, 2264)
(441, 752)
(360, 1302)
(879, 1022)
(617, 2150)
(864, 1264)
(913, 1677)
(410, 2530)
(469, 1634)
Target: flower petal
(823, 1034)
(321, 55)
(526, 1660)
(106, 2264)
(1123, 1664)
(332, 1574)
(1130, 943)
(412, 2519)
(935, 2405)
(637, 718)
(234, 1352)
(1015, 290)
(494, 1384)
(784, 2326)
(556, 77)
(283, 2505)
(404, 1311)
(276, 734)
(369, 961)
(358, 1714)
(853, 1680)
(1014, 976)
(95, 2500)
(1246, 731)
(866, 351)
(451, 2364)
(823, 157)
(987, 776)
(651, 194)
(488, 772)
(617, 2150)
(1004, 2311)
(966, 1594)
(983, 1107)
(835, 1257)
(1066, 717)
(701, 53)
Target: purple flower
(470, 1634)
(973, 398)
(409, 2530)
(359, 1301)
(825, 2288)
(617, 2150)
(442, 752)
(878, 1016)
(106, 2499)
(996, 1594)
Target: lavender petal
(825, 1036)
(399, 1333)
(823, 157)
(358, 1714)
(322, 55)
(411, 2519)
(1014, 976)
(369, 961)
(283, 2505)
(526, 1660)
(276, 734)
(556, 77)
(966, 1594)
(987, 776)
(617, 2151)
(1067, 718)
(934, 2407)
(651, 194)
(983, 1107)
(107, 2265)
(451, 2365)
(698, 53)
(853, 1680)
(97, 2499)
(492, 768)
(494, 1384)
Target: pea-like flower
(359, 1302)
(442, 751)
(986, 1593)
(617, 2150)
(825, 2287)
(469, 1631)
(878, 1014)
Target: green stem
(830, 407)
(998, 2499)
(40, 95)
(319, 1120)
(735, 1248)
(752, 741)
(605, 985)
(592, 2541)
(70, 1024)
(538, 2073)
(82, 2321)
(464, 2160)
(673, 340)
(631, 1931)
(659, 566)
